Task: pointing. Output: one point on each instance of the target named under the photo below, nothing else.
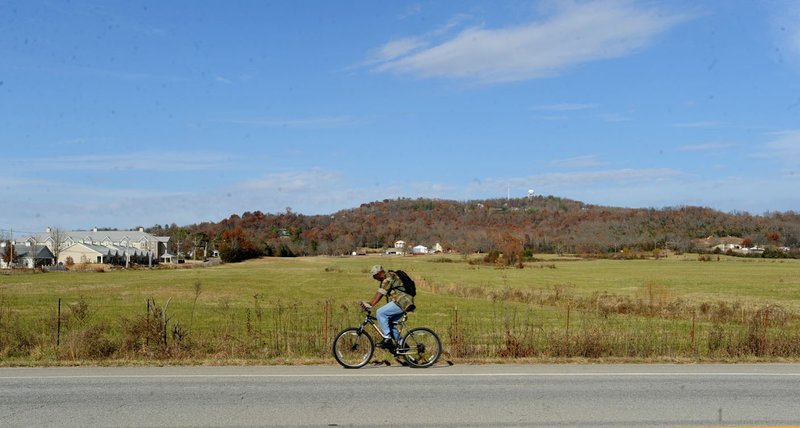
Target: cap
(375, 269)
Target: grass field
(286, 310)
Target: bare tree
(58, 236)
(199, 239)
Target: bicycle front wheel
(353, 348)
(421, 347)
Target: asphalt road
(480, 395)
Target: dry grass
(279, 311)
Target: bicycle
(354, 347)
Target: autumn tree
(235, 246)
(513, 253)
(8, 253)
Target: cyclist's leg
(389, 312)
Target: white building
(103, 246)
(26, 255)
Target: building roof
(102, 235)
(33, 251)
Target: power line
(20, 232)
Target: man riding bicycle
(399, 302)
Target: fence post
(694, 318)
(326, 329)
(58, 331)
(766, 328)
(568, 310)
(147, 324)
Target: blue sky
(121, 114)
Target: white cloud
(135, 161)
(786, 26)
(295, 123)
(709, 124)
(579, 33)
(569, 182)
(785, 147)
(591, 178)
(614, 117)
(395, 49)
(413, 10)
(565, 107)
(578, 162)
(293, 181)
(705, 147)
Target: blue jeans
(389, 312)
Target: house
(166, 258)
(722, 244)
(27, 256)
(419, 249)
(394, 252)
(725, 247)
(104, 246)
(114, 255)
(400, 244)
(84, 253)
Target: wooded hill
(542, 224)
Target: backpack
(409, 287)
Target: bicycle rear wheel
(421, 347)
(353, 348)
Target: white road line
(381, 375)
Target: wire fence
(265, 330)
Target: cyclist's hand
(366, 305)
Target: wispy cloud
(559, 182)
(709, 124)
(96, 72)
(307, 122)
(784, 147)
(705, 147)
(304, 182)
(136, 161)
(403, 46)
(578, 162)
(395, 49)
(614, 117)
(578, 33)
(786, 26)
(413, 10)
(627, 175)
(565, 107)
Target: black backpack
(409, 287)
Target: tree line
(542, 224)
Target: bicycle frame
(372, 320)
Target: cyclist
(398, 303)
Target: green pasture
(288, 309)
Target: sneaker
(385, 344)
